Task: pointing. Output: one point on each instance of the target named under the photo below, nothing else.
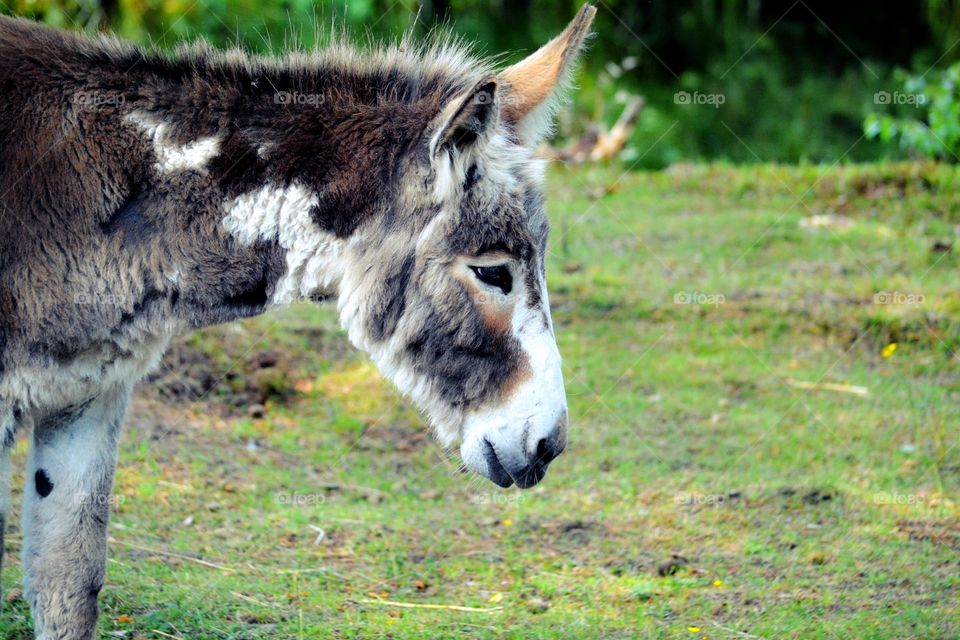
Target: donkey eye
(495, 276)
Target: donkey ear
(467, 118)
(533, 84)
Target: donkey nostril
(547, 450)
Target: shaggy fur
(143, 195)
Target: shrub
(923, 118)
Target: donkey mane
(436, 65)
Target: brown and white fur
(143, 195)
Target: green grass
(773, 511)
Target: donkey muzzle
(516, 454)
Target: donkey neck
(275, 176)
(299, 159)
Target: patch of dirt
(671, 565)
(941, 533)
(816, 496)
(890, 186)
(579, 531)
(191, 375)
(810, 497)
(625, 566)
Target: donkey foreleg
(66, 505)
(8, 426)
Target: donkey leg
(8, 427)
(66, 505)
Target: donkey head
(446, 291)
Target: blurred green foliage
(925, 118)
(771, 81)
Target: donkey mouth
(524, 477)
(498, 474)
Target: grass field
(272, 485)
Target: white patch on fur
(426, 235)
(283, 214)
(265, 149)
(172, 157)
(448, 179)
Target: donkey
(145, 194)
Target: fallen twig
(447, 607)
(830, 386)
(252, 600)
(172, 554)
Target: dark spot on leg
(42, 480)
